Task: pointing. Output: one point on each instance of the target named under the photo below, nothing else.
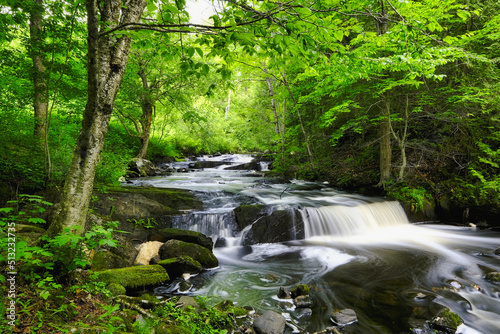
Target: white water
(358, 253)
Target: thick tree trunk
(41, 87)
(107, 60)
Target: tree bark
(107, 60)
(385, 143)
(147, 105)
(41, 87)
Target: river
(358, 252)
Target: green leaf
(339, 35)
(152, 6)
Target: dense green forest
(398, 97)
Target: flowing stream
(358, 252)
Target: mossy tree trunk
(107, 60)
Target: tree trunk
(273, 102)
(385, 124)
(147, 105)
(107, 60)
(228, 105)
(41, 88)
(385, 143)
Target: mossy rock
(300, 290)
(446, 321)
(105, 259)
(132, 277)
(176, 248)
(166, 234)
(228, 307)
(116, 289)
(177, 266)
(493, 277)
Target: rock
(141, 167)
(419, 326)
(247, 214)
(166, 234)
(105, 259)
(497, 251)
(147, 251)
(284, 293)
(304, 313)
(185, 301)
(300, 290)
(133, 277)
(446, 321)
(176, 248)
(493, 276)
(116, 289)
(303, 301)
(270, 323)
(280, 226)
(179, 265)
(344, 317)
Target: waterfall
(340, 220)
(211, 224)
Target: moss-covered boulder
(177, 266)
(446, 321)
(493, 277)
(176, 248)
(300, 290)
(116, 289)
(166, 234)
(133, 277)
(105, 259)
(247, 214)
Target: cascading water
(357, 253)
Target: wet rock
(270, 323)
(284, 293)
(303, 301)
(280, 226)
(344, 317)
(247, 214)
(446, 321)
(166, 234)
(141, 167)
(497, 251)
(300, 290)
(176, 248)
(493, 277)
(304, 313)
(419, 326)
(179, 265)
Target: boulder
(270, 323)
(133, 277)
(175, 248)
(284, 293)
(300, 290)
(303, 301)
(105, 259)
(446, 321)
(247, 214)
(141, 167)
(280, 226)
(166, 234)
(148, 251)
(344, 317)
(179, 265)
(493, 277)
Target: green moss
(493, 277)
(300, 290)
(116, 289)
(176, 248)
(166, 234)
(179, 265)
(132, 277)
